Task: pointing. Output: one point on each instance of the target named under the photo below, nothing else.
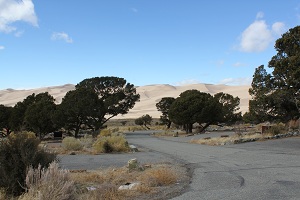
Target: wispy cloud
(19, 33)
(62, 36)
(260, 15)
(2, 47)
(236, 81)
(14, 10)
(258, 36)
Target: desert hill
(150, 95)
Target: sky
(177, 42)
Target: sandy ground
(150, 95)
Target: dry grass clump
(72, 144)
(3, 195)
(87, 141)
(226, 140)
(111, 144)
(159, 176)
(110, 132)
(51, 183)
(108, 192)
(169, 132)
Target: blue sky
(55, 42)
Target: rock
(133, 164)
(73, 153)
(129, 186)
(91, 188)
(133, 148)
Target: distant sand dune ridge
(150, 95)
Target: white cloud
(2, 47)
(61, 36)
(260, 15)
(13, 10)
(278, 28)
(236, 81)
(258, 36)
(187, 82)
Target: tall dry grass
(159, 176)
(51, 183)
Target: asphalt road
(266, 170)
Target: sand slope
(150, 95)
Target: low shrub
(161, 176)
(72, 144)
(277, 129)
(52, 183)
(87, 141)
(17, 153)
(111, 144)
(105, 133)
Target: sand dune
(150, 95)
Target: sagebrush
(17, 153)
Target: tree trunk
(76, 131)
(205, 127)
(188, 128)
(169, 124)
(146, 126)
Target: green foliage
(187, 109)
(17, 153)
(111, 144)
(34, 113)
(194, 106)
(72, 144)
(230, 108)
(164, 106)
(38, 115)
(80, 107)
(117, 95)
(276, 96)
(18, 113)
(144, 121)
(5, 117)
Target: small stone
(129, 186)
(133, 148)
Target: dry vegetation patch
(160, 181)
(227, 140)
